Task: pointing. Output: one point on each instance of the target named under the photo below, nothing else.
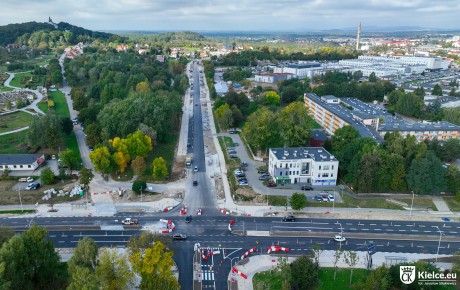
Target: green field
(43, 106)
(13, 121)
(452, 202)
(5, 89)
(60, 104)
(11, 141)
(16, 81)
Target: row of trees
(29, 261)
(396, 164)
(290, 127)
(47, 131)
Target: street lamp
(439, 243)
(20, 200)
(341, 234)
(333, 203)
(412, 203)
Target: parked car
(264, 177)
(289, 218)
(33, 186)
(242, 179)
(235, 144)
(188, 219)
(244, 164)
(261, 171)
(195, 183)
(232, 152)
(195, 169)
(240, 175)
(233, 156)
(230, 148)
(330, 197)
(306, 187)
(179, 237)
(271, 184)
(324, 197)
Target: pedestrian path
(441, 205)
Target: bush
(47, 176)
(139, 185)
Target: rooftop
(18, 159)
(295, 153)
(400, 125)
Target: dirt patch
(246, 192)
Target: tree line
(397, 164)
(29, 261)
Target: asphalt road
(212, 231)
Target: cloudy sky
(232, 15)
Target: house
(313, 165)
(18, 162)
(317, 138)
(160, 58)
(122, 47)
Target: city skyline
(239, 15)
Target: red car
(271, 184)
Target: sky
(234, 15)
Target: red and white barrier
(224, 211)
(204, 254)
(248, 252)
(168, 208)
(277, 249)
(170, 226)
(183, 210)
(230, 225)
(235, 270)
(199, 212)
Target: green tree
(419, 92)
(421, 266)
(357, 75)
(138, 144)
(372, 77)
(93, 134)
(159, 170)
(437, 90)
(114, 271)
(379, 279)
(452, 115)
(351, 258)
(298, 201)
(6, 233)
(86, 175)
(83, 278)
(426, 175)
(82, 266)
(139, 185)
(67, 125)
(153, 265)
(47, 176)
(101, 159)
(453, 179)
(138, 165)
(45, 131)
(271, 98)
(409, 104)
(295, 125)
(304, 273)
(343, 136)
(146, 239)
(450, 151)
(262, 130)
(69, 158)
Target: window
(290, 165)
(20, 166)
(297, 172)
(14, 166)
(326, 167)
(319, 167)
(332, 167)
(290, 172)
(319, 175)
(332, 174)
(281, 173)
(30, 166)
(325, 174)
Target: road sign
(371, 249)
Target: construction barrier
(236, 271)
(248, 252)
(277, 249)
(224, 211)
(183, 210)
(168, 208)
(170, 226)
(230, 225)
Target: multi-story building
(313, 165)
(272, 78)
(372, 121)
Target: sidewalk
(260, 263)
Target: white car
(330, 197)
(195, 169)
(339, 238)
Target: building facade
(21, 162)
(312, 165)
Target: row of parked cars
(231, 151)
(239, 174)
(325, 196)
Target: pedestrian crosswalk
(207, 275)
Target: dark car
(195, 183)
(33, 186)
(306, 187)
(188, 219)
(261, 171)
(289, 218)
(233, 156)
(318, 198)
(264, 177)
(271, 184)
(244, 164)
(240, 175)
(179, 237)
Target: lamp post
(439, 242)
(412, 203)
(333, 203)
(341, 234)
(20, 200)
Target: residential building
(313, 165)
(18, 162)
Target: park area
(13, 121)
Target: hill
(35, 33)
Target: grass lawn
(71, 143)
(60, 103)
(43, 106)
(421, 202)
(16, 81)
(165, 150)
(366, 203)
(13, 121)
(17, 211)
(276, 200)
(10, 142)
(272, 280)
(452, 202)
(342, 279)
(5, 89)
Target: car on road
(244, 164)
(271, 184)
(339, 238)
(130, 221)
(188, 219)
(306, 187)
(90, 148)
(195, 169)
(33, 186)
(330, 197)
(289, 218)
(195, 183)
(231, 132)
(179, 237)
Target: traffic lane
(69, 239)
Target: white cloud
(233, 14)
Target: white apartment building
(313, 165)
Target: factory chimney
(358, 36)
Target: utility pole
(20, 200)
(412, 204)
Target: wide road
(213, 232)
